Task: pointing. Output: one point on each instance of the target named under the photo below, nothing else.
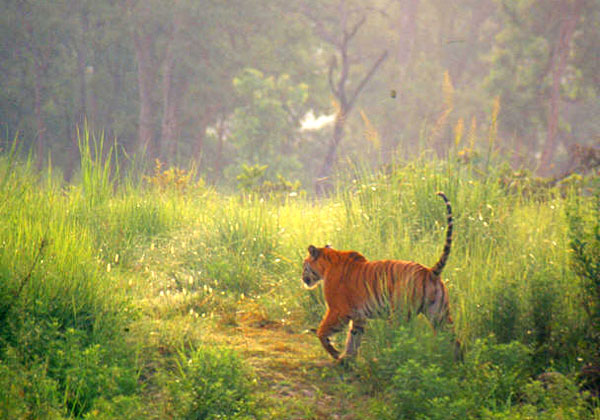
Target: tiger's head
(313, 267)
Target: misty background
(298, 89)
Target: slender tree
(338, 24)
(570, 15)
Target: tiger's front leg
(355, 333)
(331, 324)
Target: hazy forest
(164, 166)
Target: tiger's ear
(314, 252)
(327, 246)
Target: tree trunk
(169, 120)
(39, 66)
(39, 118)
(408, 30)
(346, 100)
(220, 140)
(173, 88)
(143, 53)
(81, 65)
(73, 148)
(205, 120)
(323, 184)
(559, 61)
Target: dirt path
(296, 377)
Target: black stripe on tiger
(439, 266)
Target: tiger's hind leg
(438, 313)
(357, 329)
(332, 323)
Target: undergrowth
(110, 290)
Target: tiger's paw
(345, 360)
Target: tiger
(356, 289)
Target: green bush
(583, 219)
(26, 391)
(120, 407)
(416, 372)
(417, 380)
(61, 321)
(211, 383)
(556, 397)
(88, 371)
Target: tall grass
(99, 168)
(117, 256)
(509, 257)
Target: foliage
(27, 390)
(211, 383)
(249, 181)
(97, 177)
(174, 179)
(114, 316)
(558, 397)
(62, 323)
(253, 71)
(584, 234)
(265, 124)
(414, 374)
(250, 176)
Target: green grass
(117, 314)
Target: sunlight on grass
(131, 278)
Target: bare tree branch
(354, 30)
(366, 79)
(319, 27)
(332, 66)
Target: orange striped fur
(356, 289)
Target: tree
(337, 24)
(36, 34)
(570, 14)
(146, 21)
(264, 127)
(535, 71)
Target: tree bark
(408, 30)
(205, 119)
(39, 118)
(40, 64)
(322, 183)
(173, 88)
(169, 120)
(81, 64)
(568, 24)
(143, 53)
(220, 140)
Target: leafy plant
(251, 176)
(584, 235)
(174, 179)
(211, 383)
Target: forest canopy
(219, 85)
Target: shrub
(211, 383)
(87, 372)
(557, 397)
(584, 235)
(416, 373)
(120, 407)
(173, 179)
(27, 391)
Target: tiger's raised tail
(439, 266)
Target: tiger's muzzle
(309, 276)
